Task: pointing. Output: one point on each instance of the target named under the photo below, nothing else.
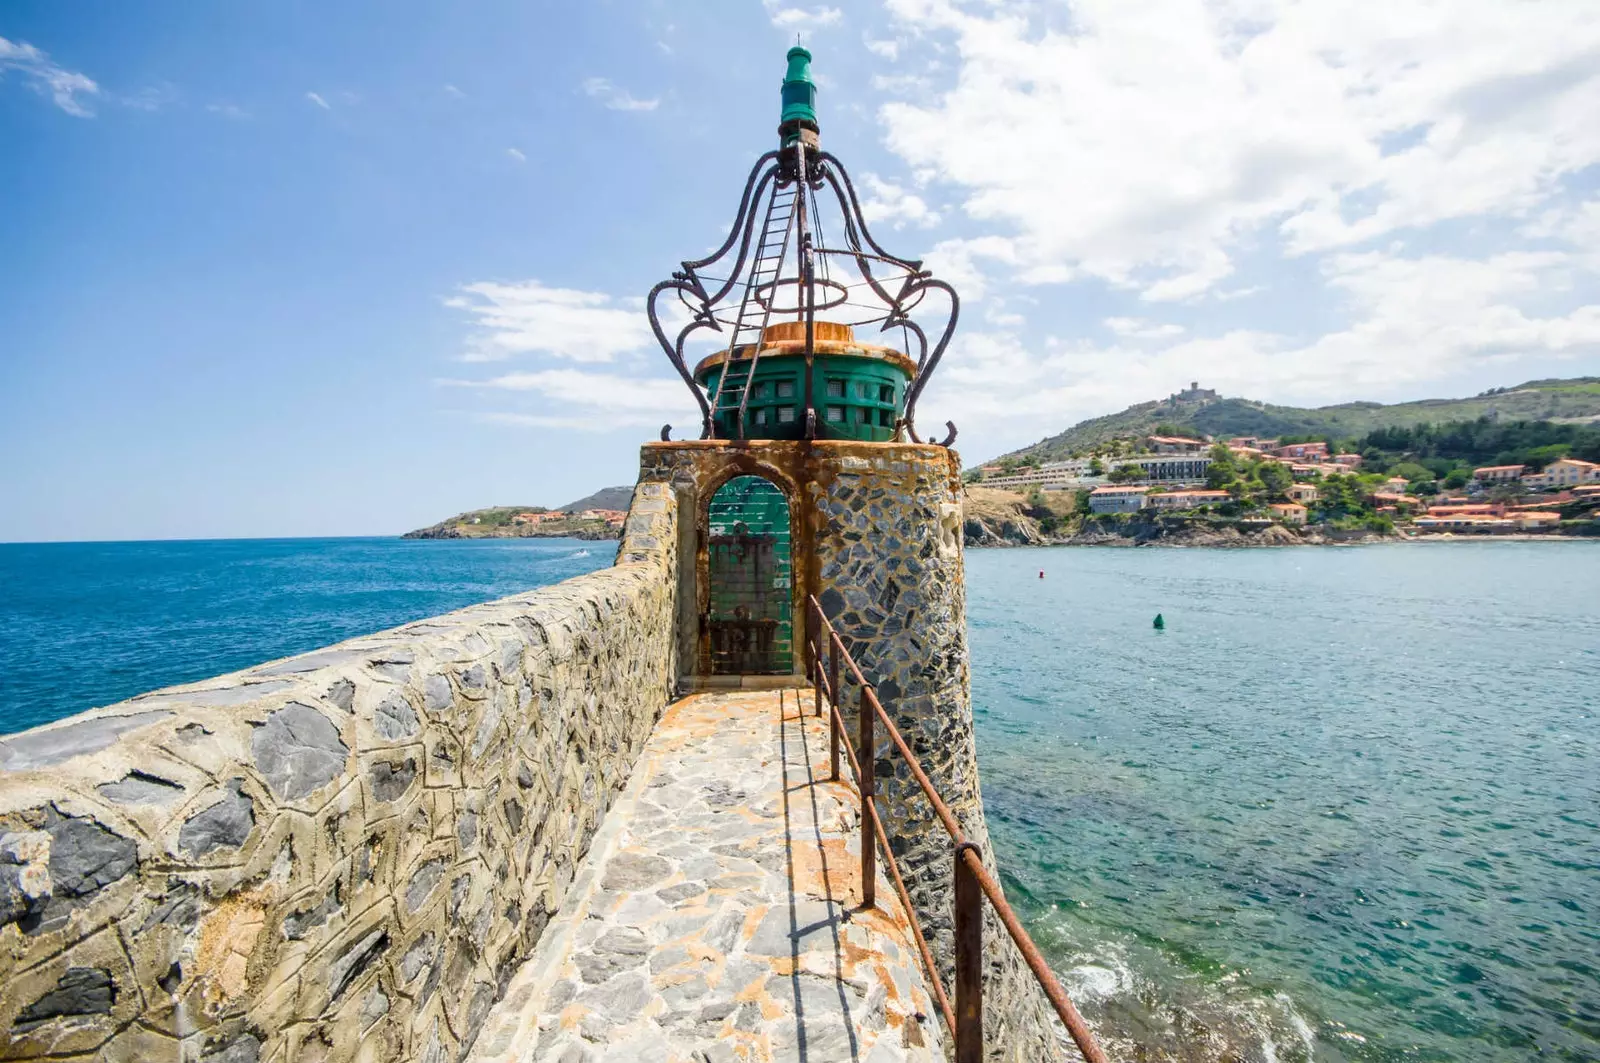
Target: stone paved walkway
(716, 918)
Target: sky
(338, 269)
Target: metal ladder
(733, 391)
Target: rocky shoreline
(449, 530)
(1022, 531)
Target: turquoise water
(85, 624)
(1345, 807)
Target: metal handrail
(972, 880)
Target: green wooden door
(752, 585)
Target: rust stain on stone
(228, 936)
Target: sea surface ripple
(1346, 806)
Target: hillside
(605, 498)
(1577, 399)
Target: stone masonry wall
(878, 539)
(338, 856)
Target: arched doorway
(750, 570)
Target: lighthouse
(807, 344)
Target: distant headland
(597, 516)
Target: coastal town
(1296, 482)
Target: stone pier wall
(339, 856)
(877, 533)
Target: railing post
(969, 958)
(814, 614)
(833, 699)
(869, 840)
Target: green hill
(1577, 399)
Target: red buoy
(1041, 573)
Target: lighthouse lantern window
(835, 391)
(786, 390)
(786, 415)
(836, 414)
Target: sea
(1343, 806)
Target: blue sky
(300, 269)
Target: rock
(25, 883)
(343, 694)
(81, 991)
(246, 1048)
(180, 907)
(298, 750)
(348, 967)
(620, 999)
(49, 746)
(394, 718)
(137, 788)
(225, 824)
(86, 857)
(635, 871)
(467, 829)
(423, 880)
(390, 781)
(298, 924)
(436, 694)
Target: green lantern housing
(799, 97)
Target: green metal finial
(799, 91)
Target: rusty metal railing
(973, 882)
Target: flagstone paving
(717, 916)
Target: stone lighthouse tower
(809, 479)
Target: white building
(1564, 472)
(1074, 472)
(1052, 476)
(1117, 499)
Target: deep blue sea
(86, 624)
(1346, 806)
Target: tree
(1412, 471)
(1457, 479)
(1275, 478)
(1096, 466)
(1125, 473)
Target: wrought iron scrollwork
(899, 285)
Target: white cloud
(1139, 329)
(1413, 320)
(886, 201)
(885, 49)
(516, 154)
(454, 93)
(228, 110)
(68, 89)
(802, 18)
(552, 327)
(615, 98)
(1143, 146)
(532, 318)
(1420, 178)
(318, 100)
